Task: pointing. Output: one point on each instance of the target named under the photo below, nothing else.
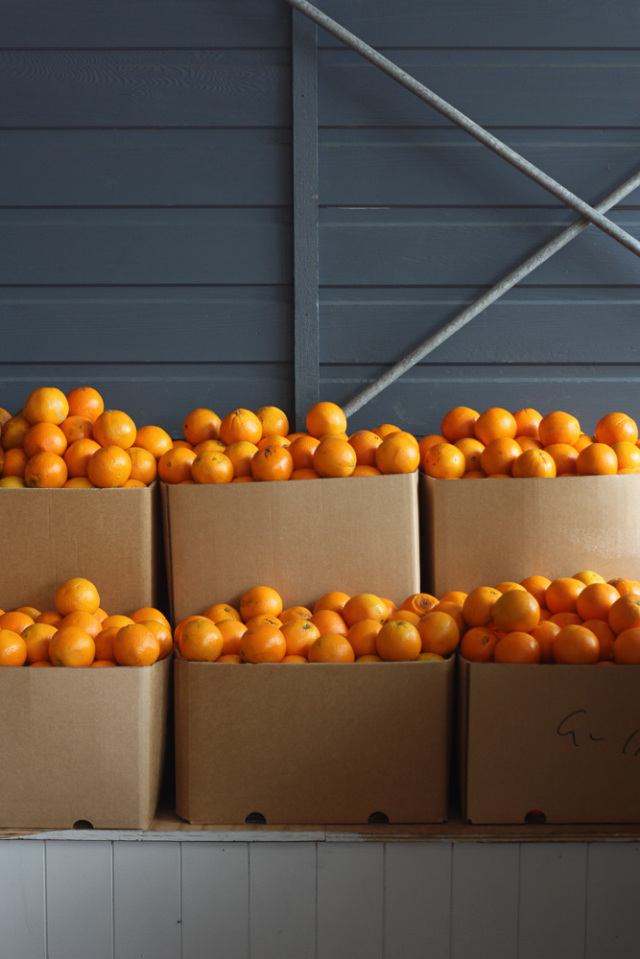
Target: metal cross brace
(588, 213)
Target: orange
(15, 461)
(604, 634)
(85, 401)
(299, 634)
(334, 457)
(76, 428)
(398, 641)
(364, 606)
(46, 404)
(229, 658)
(451, 609)
(472, 449)
(78, 454)
(331, 648)
(74, 593)
(104, 643)
(334, 600)
(562, 594)
(15, 482)
(263, 643)
(177, 633)
(624, 613)
(565, 618)
(371, 658)
(564, 456)
(458, 423)
(366, 471)
(506, 585)
(302, 449)
(305, 474)
(493, 423)
(558, 427)
(499, 455)
(624, 585)
(419, 603)
(544, 633)
(115, 428)
(45, 470)
(136, 645)
(528, 443)
(240, 424)
(534, 463)
(362, 636)
(365, 443)
(29, 610)
(329, 621)
(478, 606)
(595, 600)
(218, 612)
(430, 440)
(201, 641)
(50, 616)
(587, 576)
(44, 436)
(109, 467)
(71, 646)
(517, 647)
(273, 439)
(626, 647)
(616, 428)
(407, 614)
(260, 599)
(398, 453)
(37, 638)
(325, 417)
(274, 421)
(144, 466)
(143, 613)
(272, 463)
(210, 466)
(13, 648)
(83, 482)
(231, 631)
(597, 459)
(295, 612)
(582, 441)
(385, 429)
(456, 596)
(576, 644)
(527, 422)
(241, 454)
(14, 431)
(16, 621)
(627, 455)
(263, 618)
(439, 632)
(516, 610)
(201, 424)
(444, 461)
(83, 619)
(153, 438)
(174, 466)
(117, 620)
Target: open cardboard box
(315, 744)
(549, 743)
(359, 534)
(110, 536)
(82, 746)
(479, 533)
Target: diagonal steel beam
(471, 127)
(490, 296)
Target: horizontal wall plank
(231, 246)
(145, 23)
(464, 23)
(229, 167)
(247, 324)
(417, 167)
(495, 88)
(405, 247)
(133, 88)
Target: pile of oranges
(78, 632)
(246, 446)
(69, 440)
(498, 443)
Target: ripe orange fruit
(16, 621)
(595, 600)
(624, 585)
(364, 606)
(210, 466)
(493, 423)
(85, 401)
(240, 424)
(231, 631)
(419, 603)
(627, 455)
(597, 459)
(558, 427)
(44, 436)
(299, 634)
(517, 647)
(115, 428)
(451, 609)
(83, 619)
(516, 610)
(398, 641)
(444, 461)
(136, 645)
(71, 646)
(329, 621)
(302, 449)
(15, 461)
(544, 633)
(334, 599)
(439, 632)
(78, 454)
(562, 594)
(575, 644)
(506, 585)
(272, 463)
(478, 643)
(324, 418)
(45, 470)
(604, 634)
(104, 643)
(385, 429)
(472, 449)
(458, 423)
(527, 422)
(201, 424)
(499, 455)
(13, 648)
(365, 471)
(331, 648)
(153, 438)
(624, 613)
(616, 428)
(144, 466)
(201, 641)
(398, 453)
(117, 620)
(362, 636)
(14, 431)
(109, 467)
(174, 466)
(264, 643)
(294, 612)
(334, 457)
(46, 404)
(564, 456)
(365, 443)
(626, 646)
(76, 593)
(537, 586)
(258, 600)
(218, 612)
(240, 454)
(534, 463)
(37, 638)
(274, 421)
(477, 608)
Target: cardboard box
(305, 538)
(478, 533)
(82, 745)
(110, 536)
(314, 744)
(550, 743)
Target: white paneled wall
(203, 898)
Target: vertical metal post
(306, 317)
